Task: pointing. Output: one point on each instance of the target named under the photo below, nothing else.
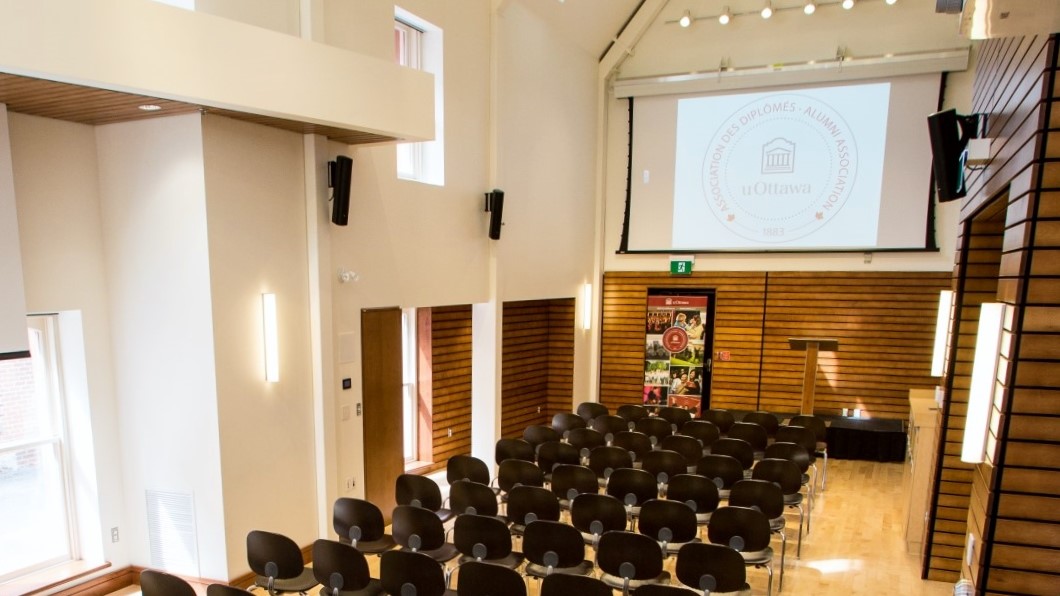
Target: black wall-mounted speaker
(340, 173)
(495, 206)
(950, 132)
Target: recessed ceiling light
(150, 107)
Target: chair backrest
(275, 555)
(484, 579)
(674, 415)
(635, 442)
(814, 423)
(705, 431)
(553, 544)
(609, 424)
(754, 434)
(632, 486)
(698, 492)
(223, 590)
(631, 412)
(554, 453)
(742, 528)
(421, 491)
(416, 528)
(792, 452)
(585, 438)
(737, 448)
(766, 420)
(784, 473)
(596, 513)
(398, 568)
(589, 410)
(339, 567)
(689, 447)
(667, 521)
(713, 567)
(723, 419)
(760, 494)
(524, 501)
(356, 520)
(723, 470)
(512, 449)
(567, 478)
(604, 460)
(466, 496)
(629, 555)
(664, 464)
(466, 467)
(535, 434)
(565, 421)
(661, 590)
(482, 537)
(160, 583)
(514, 472)
(800, 435)
(566, 584)
(653, 426)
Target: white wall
(12, 298)
(257, 243)
(158, 273)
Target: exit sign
(681, 265)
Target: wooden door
(384, 458)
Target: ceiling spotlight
(768, 10)
(891, 2)
(810, 8)
(686, 19)
(848, 4)
(725, 16)
(149, 107)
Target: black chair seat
(535, 570)
(304, 582)
(373, 588)
(442, 554)
(374, 547)
(617, 582)
(758, 557)
(511, 561)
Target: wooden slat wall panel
(450, 383)
(560, 356)
(884, 321)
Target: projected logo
(779, 168)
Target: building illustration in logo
(778, 157)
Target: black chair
(723, 470)
(632, 412)
(766, 420)
(674, 415)
(569, 481)
(635, 442)
(516, 472)
(663, 465)
(421, 491)
(221, 590)
(656, 428)
(786, 476)
(754, 434)
(798, 455)
(661, 590)
(466, 496)
(590, 410)
(535, 434)
(585, 438)
(804, 437)
(723, 419)
(407, 572)
(512, 449)
(633, 487)
(564, 584)
(609, 425)
(766, 497)
(554, 453)
(482, 579)
(671, 523)
(485, 539)
(567, 421)
(554, 547)
(820, 431)
(705, 431)
(690, 448)
(341, 569)
(605, 460)
(467, 467)
(739, 449)
(530, 503)
(712, 568)
(698, 492)
(630, 560)
(747, 531)
(160, 583)
(277, 563)
(595, 514)
(419, 530)
(360, 523)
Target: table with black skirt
(874, 439)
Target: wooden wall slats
(450, 344)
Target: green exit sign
(681, 266)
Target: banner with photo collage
(674, 352)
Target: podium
(811, 345)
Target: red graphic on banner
(675, 339)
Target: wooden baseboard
(104, 584)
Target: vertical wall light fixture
(942, 331)
(587, 306)
(272, 345)
(984, 378)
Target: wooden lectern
(811, 345)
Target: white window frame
(418, 44)
(409, 389)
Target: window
(410, 397)
(418, 44)
(35, 497)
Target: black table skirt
(867, 438)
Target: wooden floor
(856, 545)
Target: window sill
(52, 577)
(411, 467)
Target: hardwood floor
(856, 545)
